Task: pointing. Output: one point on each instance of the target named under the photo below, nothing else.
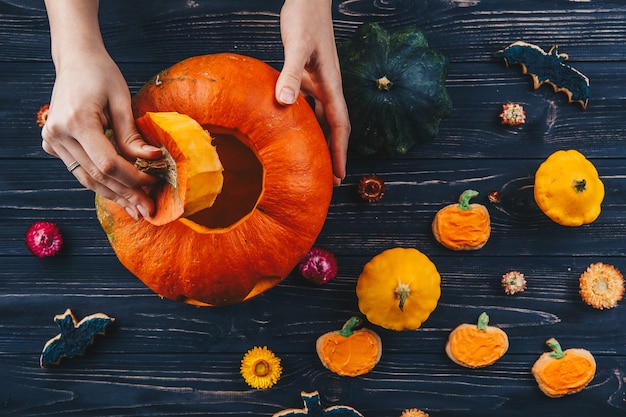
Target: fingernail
(148, 147)
(143, 211)
(287, 96)
(132, 213)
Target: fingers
(332, 113)
(129, 142)
(290, 78)
(101, 168)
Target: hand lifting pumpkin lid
(398, 289)
(277, 186)
(190, 171)
(562, 372)
(477, 345)
(462, 226)
(350, 351)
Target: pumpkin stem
(402, 292)
(350, 326)
(557, 352)
(464, 199)
(163, 168)
(483, 321)
(580, 185)
(383, 83)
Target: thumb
(290, 79)
(130, 143)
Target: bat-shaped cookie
(74, 338)
(548, 67)
(313, 408)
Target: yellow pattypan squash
(568, 189)
(398, 289)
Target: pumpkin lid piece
(190, 170)
(568, 188)
(477, 345)
(560, 372)
(399, 289)
(350, 351)
(462, 226)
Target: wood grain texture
(162, 358)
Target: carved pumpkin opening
(243, 183)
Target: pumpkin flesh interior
(243, 184)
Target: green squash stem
(580, 185)
(383, 83)
(402, 292)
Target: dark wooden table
(162, 358)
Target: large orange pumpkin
(276, 191)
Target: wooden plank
(165, 385)
(416, 191)
(145, 31)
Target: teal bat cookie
(548, 68)
(313, 408)
(74, 338)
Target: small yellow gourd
(568, 188)
(398, 289)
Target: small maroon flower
(319, 266)
(494, 197)
(44, 239)
(372, 188)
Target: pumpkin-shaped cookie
(477, 345)
(350, 351)
(462, 226)
(560, 372)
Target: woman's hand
(89, 95)
(311, 65)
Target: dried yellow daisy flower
(414, 412)
(601, 286)
(260, 368)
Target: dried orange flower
(601, 286)
(260, 368)
(42, 115)
(413, 412)
(512, 114)
(513, 282)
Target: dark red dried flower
(372, 188)
(319, 266)
(494, 197)
(44, 239)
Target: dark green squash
(394, 85)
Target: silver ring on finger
(71, 167)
